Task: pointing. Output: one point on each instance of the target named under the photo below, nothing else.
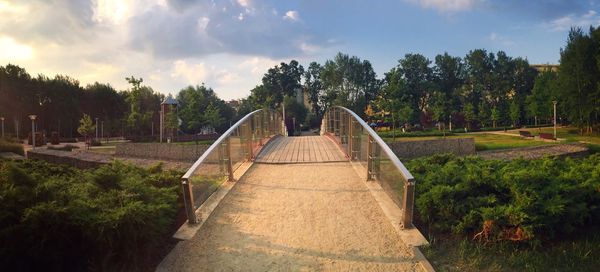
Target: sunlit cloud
(11, 50)
(563, 23)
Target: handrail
(383, 145)
(340, 123)
(214, 145)
(253, 129)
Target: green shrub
(6, 146)
(520, 200)
(59, 218)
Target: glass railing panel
(389, 177)
(209, 175)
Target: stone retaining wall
(421, 148)
(173, 152)
(79, 160)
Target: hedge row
(519, 200)
(59, 218)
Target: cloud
(446, 5)
(243, 3)
(192, 73)
(563, 23)
(292, 15)
(12, 50)
(499, 39)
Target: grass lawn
(570, 254)
(103, 150)
(485, 141)
(200, 142)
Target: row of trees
(60, 103)
(481, 89)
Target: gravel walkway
(295, 217)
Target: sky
(230, 44)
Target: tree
(495, 116)
(539, 102)
(579, 77)
(86, 126)
(280, 81)
(418, 78)
(469, 113)
(313, 86)
(350, 82)
(515, 112)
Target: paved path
(295, 217)
(300, 150)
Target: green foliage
(520, 200)
(200, 106)
(6, 146)
(86, 126)
(579, 78)
(349, 82)
(59, 218)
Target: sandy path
(300, 217)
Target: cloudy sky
(229, 44)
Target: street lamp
(32, 117)
(96, 129)
(554, 102)
(2, 119)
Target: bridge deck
(300, 150)
(295, 217)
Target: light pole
(96, 129)
(450, 123)
(2, 119)
(161, 114)
(102, 130)
(554, 102)
(32, 117)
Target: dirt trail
(296, 217)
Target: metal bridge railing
(237, 145)
(362, 145)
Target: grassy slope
(485, 141)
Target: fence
(362, 145)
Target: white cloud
(11, 50)
(499, 39)
(191, 73)
(291, 15)
(240, 17)
(591, 17)
(243, 3)
(203, 23)
(308, 48)
(446, 5)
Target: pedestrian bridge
(336, 201)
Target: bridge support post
(249, 137)
(408, 203)
(370, 157)
(188, 199)
(229, 163)
(350, 139)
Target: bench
(547, 136)
(525, 134)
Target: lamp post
(554, 103)
(102, 130)
(2, 119)
(161, 114)
(450, 122)
(32, 117)
(96, 129)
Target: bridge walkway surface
(297, 215)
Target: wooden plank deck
(303, 149)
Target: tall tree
(350, 82)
